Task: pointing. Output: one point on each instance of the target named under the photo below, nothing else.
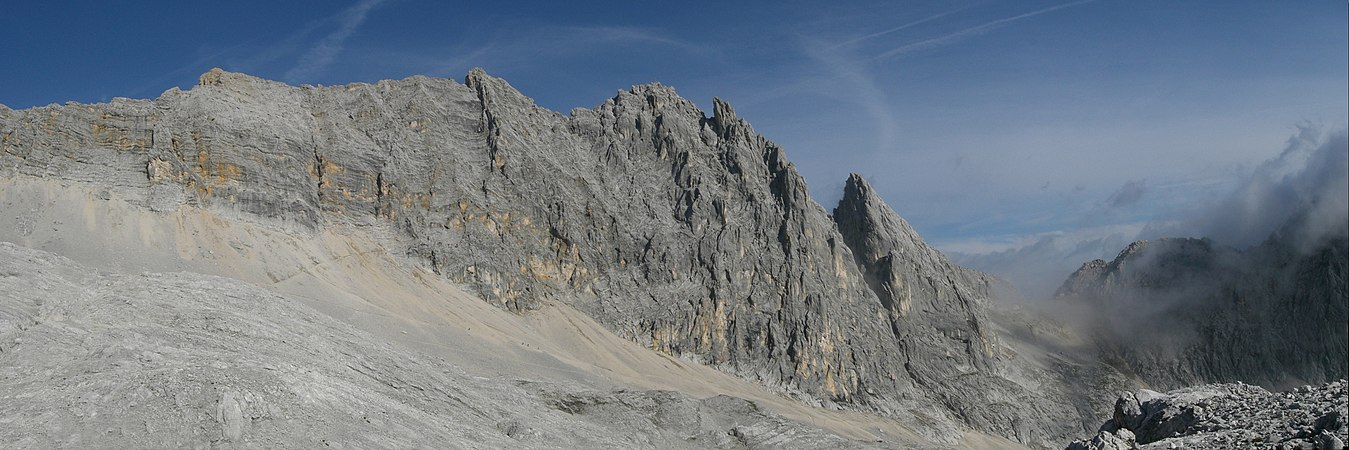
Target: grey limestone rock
(692, 235)
(938, 313)
(1105, 440)
(1220, 416)
(924, 295)
(90, 359)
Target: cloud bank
(1303, 193)
(1305, 187)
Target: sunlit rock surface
(688, 234)
(1224, 416)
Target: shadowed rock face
(1180, 312)
(691, 235)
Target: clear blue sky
(986, 124)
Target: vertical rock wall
(690, 234)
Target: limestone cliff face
(690, 234)
(925, 297)
(1179, 312)
(938, 314)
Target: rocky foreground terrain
(1182, 312)
(1226, 416)
(428, 262)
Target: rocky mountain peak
(1159, 263)
(858, 197)
(214, 77)
(217, 77)
(874, 230)
(479, 80)
(497, 95)
(1083, 278)
(929, 303)
(723, 113)
(1272, 314)
(692, 236)
(656, 91)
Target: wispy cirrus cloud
(322, 54)
(864, 91)
(629, 35)
(543, 45)
(895, 29)
(971, 31)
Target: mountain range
(448, 261)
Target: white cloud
(1037, 264)
(971, 31)
(322, 54)
(529, 46)
(1308, 182)
(895, 29)
(861, 90)
(1303, 191)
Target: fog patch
(1302, 194)
(1303, 191)
(1039, 268)
(1128, 194)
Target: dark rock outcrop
(1180, 312)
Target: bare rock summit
(691, 235)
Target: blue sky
(987, 124)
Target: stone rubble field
(1228, 416)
